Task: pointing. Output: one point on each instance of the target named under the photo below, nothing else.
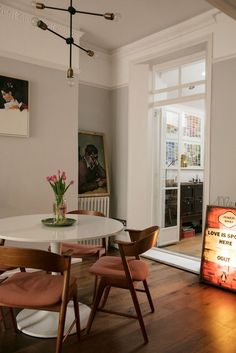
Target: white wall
(223, 127)
(52, 142)
(25, 52)
(222, 30)
(114, 72)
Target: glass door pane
(170, 168)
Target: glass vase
(59, 209)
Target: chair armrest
(131, 230)
(68, 252)
(121, 242)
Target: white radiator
(95, 203)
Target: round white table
(30, 229)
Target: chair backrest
(34, 258)
(141, 242)
(87, 212)
(140, 234)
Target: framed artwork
(93, 169)
(218, 263)
(14, 112)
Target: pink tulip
(48, 178)
(63, 176)
(72, 182)
(54, 178)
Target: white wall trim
(35, 61)
(95, 85)
(176, 38)
(224, 58)
(119, 86)
(198, 22)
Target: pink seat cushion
(32, 289)
(112, 266)
(82, 250)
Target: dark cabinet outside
(191, 199)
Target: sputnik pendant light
(70, 40)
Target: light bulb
(35, 21)
(112, 16)
(71, 81)
(38, 5)
(117, 16)
(70, 77)
(90, 52)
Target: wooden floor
(189, 246)
(190, 317)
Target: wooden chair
(41, 290)
(124, 272)
(85, 251)
(3, 314)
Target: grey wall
(95, 114)
(95, 111)
(106, 111)
(119, 99)
(223, 127)
(52, 144)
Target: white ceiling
(139, 17)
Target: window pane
(192, 152)
(171, 177)
(165, 95)
(171, 153)
(170, 198)
(193, 72)
(192, 89)
(191, 126)
(165, 79)
(172, 123)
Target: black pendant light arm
(107, 15)
(70, 40)
(73, 11)
(88, 51)
(59, 35)
(71, 14)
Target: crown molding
(224, 58)
(25, 18)
(93, 85)
(196, 23)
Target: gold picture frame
(93, 173)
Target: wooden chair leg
(13, 319)
(61, 326)
(148, 296)
(105, 296)
(77, 315)
(138, 311)
(95, 288)
(100, 290)
(2, 319)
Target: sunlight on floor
(189, 246)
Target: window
(182, 81)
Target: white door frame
(208, 42)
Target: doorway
(179, 118)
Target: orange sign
(218, 264)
